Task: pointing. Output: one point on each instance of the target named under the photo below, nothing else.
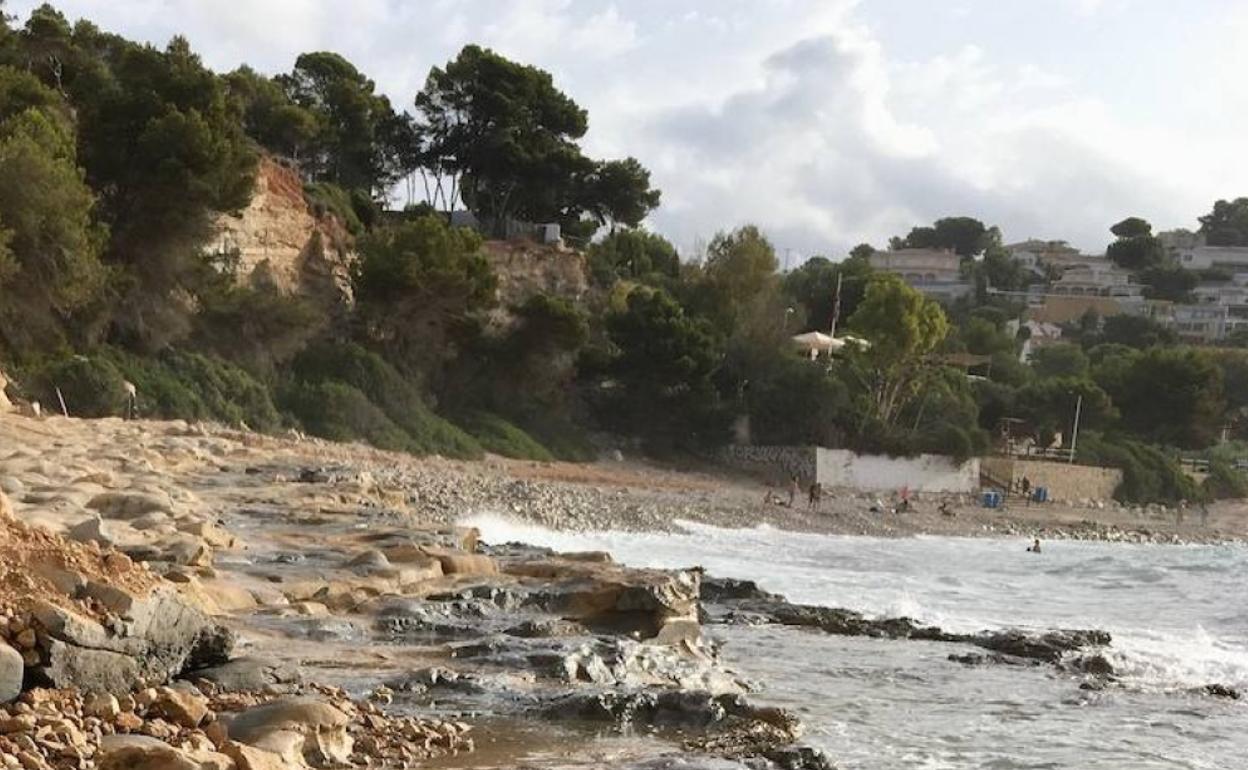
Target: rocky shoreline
(193, 597)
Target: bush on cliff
(339, 412)
(192, 386)
(328, 198)
(91, 386)
(397, 398)
(501, 437)
(561, 436)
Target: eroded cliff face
(525, 268)
(281, 243)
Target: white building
(1037, 255)
(1231, 259)
(935, 272)
(1233, 297)
(1201, 323)
(1099, 278)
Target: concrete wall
(843, 468)
(923, 473)
(1065, 481)
(779, 462)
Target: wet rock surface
(742, 602)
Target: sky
(825, 122)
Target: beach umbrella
(815, 342)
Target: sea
(1178, 616)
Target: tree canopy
(1227, 223)
(965, 236)
(508, 137)
(1136, 247)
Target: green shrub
(339, 412)
(1149, 475)
(561, 437)
(192, 386)
(397, 398)
(328, 198)
(502, 437)
(91, 386)
(1224, 482)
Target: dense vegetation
(115, 158)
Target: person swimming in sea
(1034, 547)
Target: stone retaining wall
(1065, 481)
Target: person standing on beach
(794, 487)
(816, 495)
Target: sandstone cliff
(281, 243)
(525, 268)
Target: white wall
(922, 473)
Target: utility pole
(1074, 436)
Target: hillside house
(935, 272)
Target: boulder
(187, 551)
(92, 530)
(12, 669)
(139, 752)
(5, 404)
(6, 508)
(610, 598)
(1050, 646)
(727, 589)
(186, 709)
(214, 596)
(1220, 691)
(250, 674)
(455, 562)
(101, 705)
(155, 638)
(129, 505)
(295, 727)
(150, 521)
(368, 560)
(251, 758)
(90, 670)
(68, 582)
(212, 534)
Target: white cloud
(796, 115)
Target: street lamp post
(1074, 435)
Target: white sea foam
(1160, 603)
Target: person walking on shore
(793, 490)
(816, 495)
